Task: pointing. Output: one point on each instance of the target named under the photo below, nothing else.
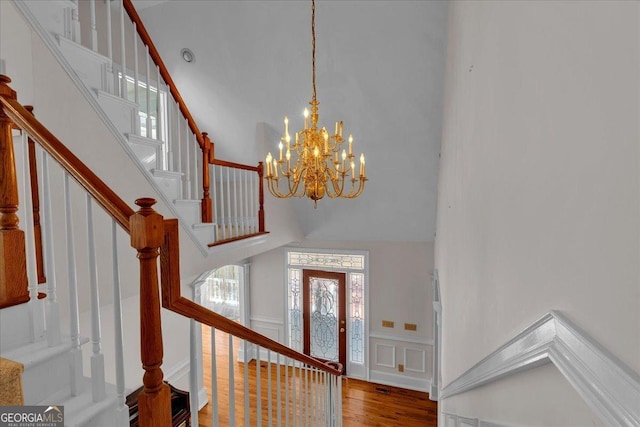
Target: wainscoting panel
(385, 355)
(390, 351)
(415, 360)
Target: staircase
(70, 303)
(122, 70)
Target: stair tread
(137, 139)
(33, 354)
(79, 409)
(127, 103)
(166, 174)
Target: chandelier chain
(323, 167)
(313, 46)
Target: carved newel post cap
(147, 226)
(5, 79)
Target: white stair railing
(69, 221)
(277, 390)
(235, 192)
(137, 77)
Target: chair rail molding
(610, 387)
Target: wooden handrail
(172, 300)
(155, 56)
(218, 162)
(105, 196)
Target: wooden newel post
(147, 235)
(261, 227)
(14, 287)
(205, 205)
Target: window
(221, 292)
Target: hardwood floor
(363, 403)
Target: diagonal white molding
(610, 387)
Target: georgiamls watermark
(31, 416)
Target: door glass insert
(324, 318)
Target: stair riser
(15, 325)
(123, 114)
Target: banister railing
(307, 391)
(172, 300)
(104, 195)
(312, 388)
(157, 59)
(37, 139)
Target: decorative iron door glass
(324, 315)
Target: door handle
(341, 329)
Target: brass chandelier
(320, 166)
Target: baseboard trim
(609, 387)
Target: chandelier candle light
(320, 166)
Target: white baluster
(240, 196)
(97, 358)
(159, 135)
(178, 148)
(306, 396)
(36, 318)
(229, 217)
(170, 136)
(122, 410)
(123, 55)
(294, 394)
(286, 391)
(76, 351)
(75, 23)
(214, 381)
(258, 387)
(149, 132)
(221, 220)
(195, 367)
(247, 417)
(94, 30)
(109, 33)
(269, 391)
(232, 391)
(254, 202)
(187, 171)
(312, 396)
(213, 184)
(196, 176)
(52, 308)
(236, 213)
(339, 400)
(278, 392)
(136, 79)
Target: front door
(324, 315)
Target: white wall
(400, 291)
(538, 204)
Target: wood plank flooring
(363, 404)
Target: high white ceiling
(380, 69)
